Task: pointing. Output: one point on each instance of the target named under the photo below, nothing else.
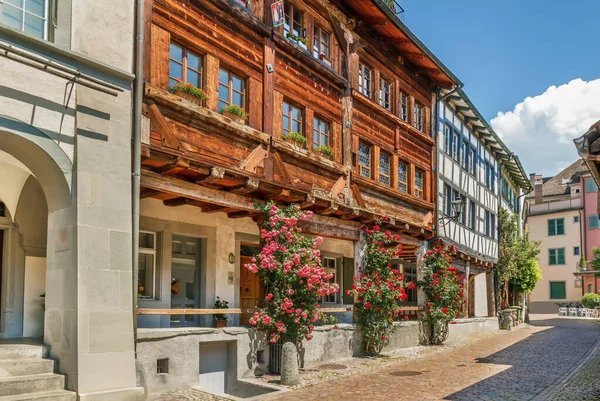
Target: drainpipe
(138, 85)
(582, 252)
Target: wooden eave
(395, 33)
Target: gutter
(138, 95)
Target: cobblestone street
(529, 363)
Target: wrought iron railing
(396, 8)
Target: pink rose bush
(378, 288)
(290, 267)
(443, 288)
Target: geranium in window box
(235, 112)
(326, 60)
(295, 138)
(325, 151)
(189, 92)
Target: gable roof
(560, 184)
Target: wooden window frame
(418, 123)
(465, 154)
(406, 173)
(318, 120)
(230, 76)
(153, 252)
(184, 65)
(382, 174)
(336, 279)
(403, 109)
(290, 6)
(382, 93)
(318, 34)
(291, 118)
(419, 191)
(553, 223)
(472, 215)
(361, 166)
(554, 252)
(362, 88)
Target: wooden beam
(468, 119)
(216, 175)
(173, 168)
(181, 201)
(240, 13)
(159, 125)
(357, 196)
(251, 185)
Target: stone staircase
(26, 375)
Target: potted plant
(582, 264)
(326, 60)
(236, 113)
(295, 138)
(325, 151)
(220, 319)
(302, 42)
(189, 92)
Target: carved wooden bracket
(159, 125)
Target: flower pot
(235, 117)
(325, 155)
(189, 98)
(327, 62)
(294, 143)
(220, 323)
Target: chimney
(538, 184)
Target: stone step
(58, 395)
(22, 351)
(22, 367)
(31, 384)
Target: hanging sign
(277, 11)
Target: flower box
(220, 323)
(325, 155)
(294, 142)
(235, 117)
(188, 97)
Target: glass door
(185, 283)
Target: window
(364, 160)
(2, 211)
(384, 169)
(472, 215)
(575, 219)
(418, 117)
(590, 288)
(493, 179)
(320, 133)
(419, 183)
(293, 20)
(473, 159)
(402, 177)
(162, 366)
(447, 200)
(576, 250)
(590, 185)
(184, 66)
(455, 146)
(232, 89)
(490, 224)
(448, 139)
(558, 290)
(364, 80)
(556, 227)
(556, 256)
(488, 175)
(29, 16)
(410, 276)
(147, 265)
(329, 264)
(321, 43)
(292, 119)
(404, 107)
(384, 94)
(465, 155)
(593, 221)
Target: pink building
(591, 232)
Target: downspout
(582, 249)
(138, 85)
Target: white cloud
(541, 129)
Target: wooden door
(252, 291)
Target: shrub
(188, 88)
(378, 288)
(235, 109)
(591, 301)
(220, 304)
(290, 266)
(296, 136)
(326, 150)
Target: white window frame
(24, 11)
(335, 279)
(150, 251)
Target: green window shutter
(552, 259)
(560, 256)
(558, 290)
(560, 226)
(590, 185)
(551, 227)
(593, 221)
(348, 266)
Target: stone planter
(437, 337)
(507, 319)
(220, 323)
(235, 117)
(189, 98)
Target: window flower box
(324, 59)
(325, 151)
(301, 42)
(236, 113)
(296, 139)
(189, 92)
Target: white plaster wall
(35, 285)
(480, 283)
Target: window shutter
(557, 290)
(552, 254)
(560, 256)
(348, 267)
(593, 221)
(551, 227)
(560, 226)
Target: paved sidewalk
(514, 366)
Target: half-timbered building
(348, 78)
(477, 175)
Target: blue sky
(506, 51)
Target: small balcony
(553, 207)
